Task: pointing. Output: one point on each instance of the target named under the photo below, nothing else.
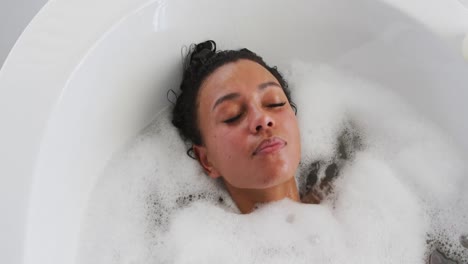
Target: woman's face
(249, 130)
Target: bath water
(400, 195)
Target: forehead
(234, 77)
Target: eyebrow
(267, 84)
(232, 96)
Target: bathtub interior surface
(31, 80)
(121, 80)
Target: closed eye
(235, 118)
(232, 119)
(277, 105)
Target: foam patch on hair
(401, 195)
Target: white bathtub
(86, 76)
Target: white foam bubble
(405, 185)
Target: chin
(275, 177)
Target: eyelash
(233, 119)
(277, 105)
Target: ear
(202, 156)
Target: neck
(247, 199)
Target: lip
(269, 145)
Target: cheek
(292, 126)
(289, 121)
(295, 126)
(228, 143)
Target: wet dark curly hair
(200, 62)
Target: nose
(261, 120)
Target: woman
(237, 113)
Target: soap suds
(401, 195)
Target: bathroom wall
(15, 15)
